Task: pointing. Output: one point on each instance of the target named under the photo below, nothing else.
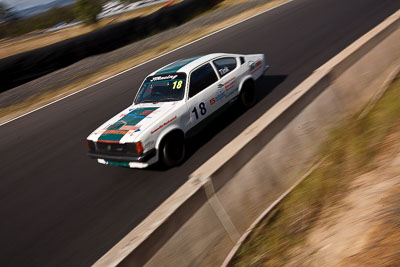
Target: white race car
(170, 105)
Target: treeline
(41, 21)
(21, 68)
(82, 10)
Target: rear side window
(201, 79)
(225, 65)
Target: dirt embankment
(347, 211)
(362, 229)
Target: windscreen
(162, 88)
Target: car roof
(188, 64)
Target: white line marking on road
(141, 64)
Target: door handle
(220, 85)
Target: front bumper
(139, 165)
(141, 161)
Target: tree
(129, 1)
(7, 14)
(87, 10)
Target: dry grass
(352, 149)
(227, 3)
(37, 101)
(384, 240)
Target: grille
(111, 148)
(114, 149)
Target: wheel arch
(171, 130)
(246, 79)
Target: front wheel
(172, 150)
(247, 95)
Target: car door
(202, 87)
(228, 86)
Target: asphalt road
(60, 208)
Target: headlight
(135, 148)
(90, 145)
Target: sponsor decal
(223, 71)
(132, 132)
(164, 124)
(229, 85)
(122, 115)
(129, 122)
(162, 78)
(146, 112)
(136, 116)
(255, 67)
(114, 132)
(220, 96)
(232, 92)
(129, 127)
(132, 118)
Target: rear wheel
(172, 149)
(247, 95)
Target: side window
(225, 65)
(201, 79)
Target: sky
(22, 4)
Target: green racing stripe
(174, 67)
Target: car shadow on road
(264, 86)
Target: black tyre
(247, 95)
(172, 150)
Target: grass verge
(43, 99)
(350, 150)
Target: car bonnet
(132, 122)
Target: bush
(87, 10)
